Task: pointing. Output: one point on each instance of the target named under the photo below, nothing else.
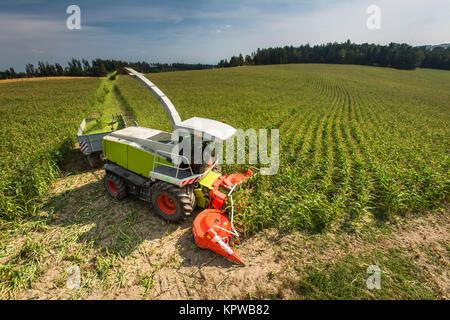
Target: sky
(205, 31)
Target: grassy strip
(105, 108)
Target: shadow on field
(120, 227)
(195, 256)
(128, 111)
(77, 163)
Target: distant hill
(443, 45)
(394, 55)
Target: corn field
(357, 143)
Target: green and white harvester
(141, 161)
(164, 169)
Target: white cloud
(37, 51)
(118, 14)
(28, 38)
(220, 29)
(413, 21)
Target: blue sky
(201, 31)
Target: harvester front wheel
(115, 187)
(171, 202)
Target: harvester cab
(142, 161)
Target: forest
(394, 55)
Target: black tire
(171, 202)
(115, 186)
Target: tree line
(394, 55)
(95, 68)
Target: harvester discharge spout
(169, 108)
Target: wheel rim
(166, 204)
(112, 187)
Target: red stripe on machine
(185, 182)
(190, 181)
(83, 146)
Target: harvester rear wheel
(115, 187)
(171, 202)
